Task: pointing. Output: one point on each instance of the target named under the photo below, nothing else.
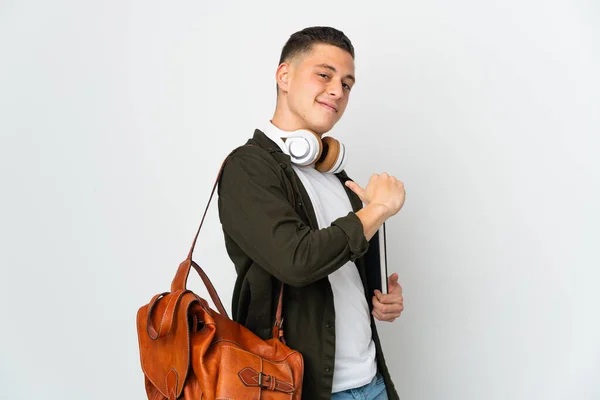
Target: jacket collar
(266, 143)
(262, 140)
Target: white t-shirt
(355, 363)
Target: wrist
(379, 210)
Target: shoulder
(251, 162)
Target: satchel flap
(165, 360)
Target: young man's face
(317, 86)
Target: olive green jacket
(272, 236)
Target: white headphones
(306, 148)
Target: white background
(115, 117)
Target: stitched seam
(293, 385)
(292, 191)
(261, 364)
(243, 348)
(189, 343)
(151, 307)
(172, 390)
(142, 357)
(163, 317)
(208, 311)
(179, 296)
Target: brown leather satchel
(189, 351)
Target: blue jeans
(375, 390)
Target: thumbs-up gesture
(388, 307)
(384, 190)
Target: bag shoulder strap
(180, 280)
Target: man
(291, 223)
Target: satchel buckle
(260, 378)
(264, 380)
(252, 378)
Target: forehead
(327, 54)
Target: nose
(335, 89)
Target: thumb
(360, 192)
(393, 282)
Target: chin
(322, 127)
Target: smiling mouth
(328, 107)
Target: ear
(282, 76)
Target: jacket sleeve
(255, 212)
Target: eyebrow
(332, 68)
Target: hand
(387, 307)
(384, 190)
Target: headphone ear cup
(330, 154)
(321, 147)
(305, 147)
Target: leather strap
(180, 280)
(266, 382)
(166, 321)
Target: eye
(323, 76)
(348, 87)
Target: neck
(285, 120)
